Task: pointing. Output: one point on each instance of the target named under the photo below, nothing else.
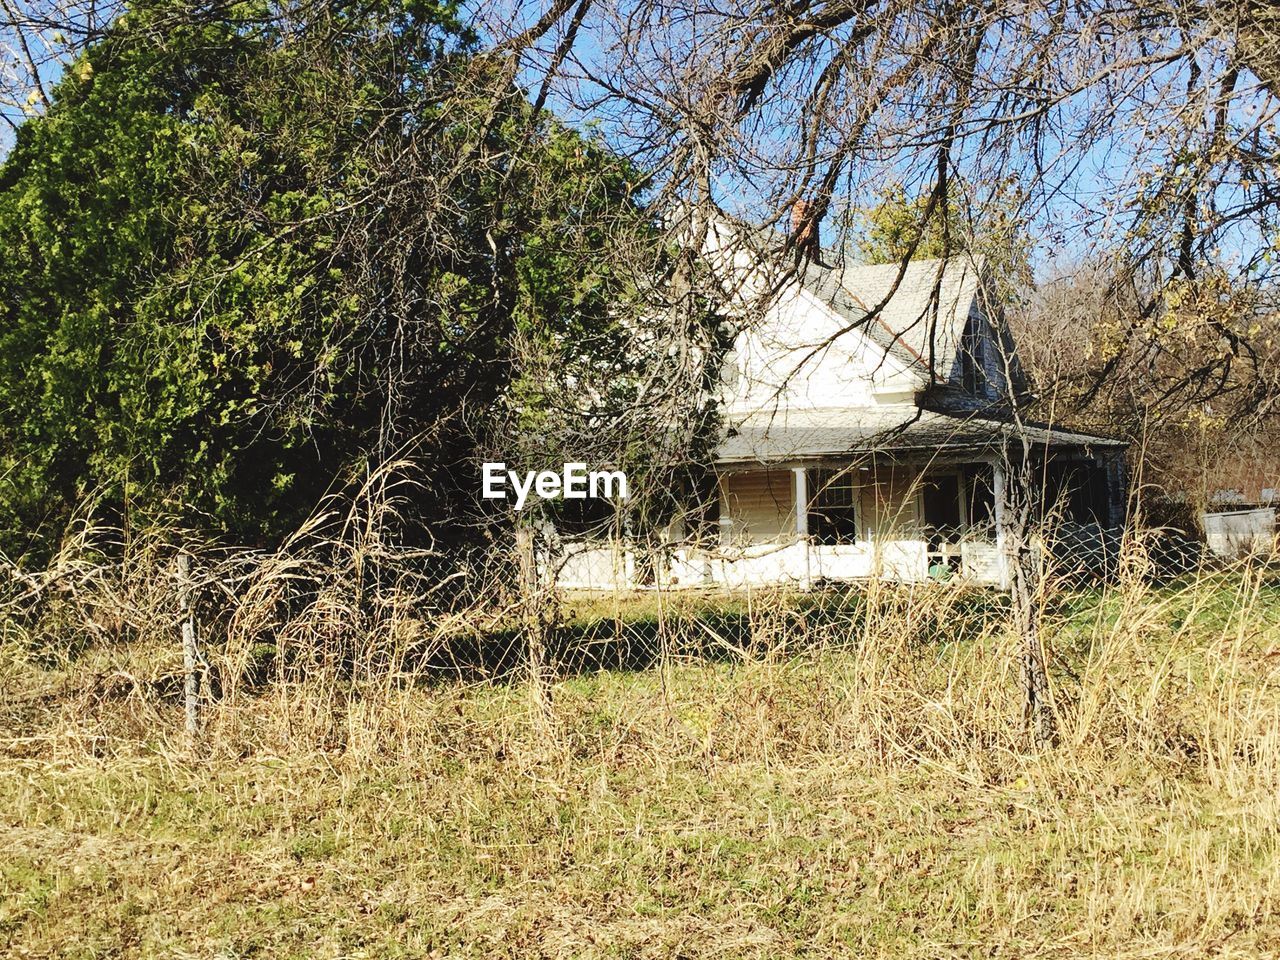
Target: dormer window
(973, 358)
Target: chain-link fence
(340, 604)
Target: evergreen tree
(242, 255)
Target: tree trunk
(1025, 574)
(1025, 584)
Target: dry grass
(832, 775)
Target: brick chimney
(804, 229)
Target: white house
(868, 426)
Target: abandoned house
(869, 430)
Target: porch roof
(778, 436)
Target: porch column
(802, 501)
(802, 518)
(998, 485)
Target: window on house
(833, 506)
(973, 357)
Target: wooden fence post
(537, 617)
(190, 656)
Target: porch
(803, 503)
(804, 524)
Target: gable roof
(916, 312)
(923, 307)
(920, 309)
